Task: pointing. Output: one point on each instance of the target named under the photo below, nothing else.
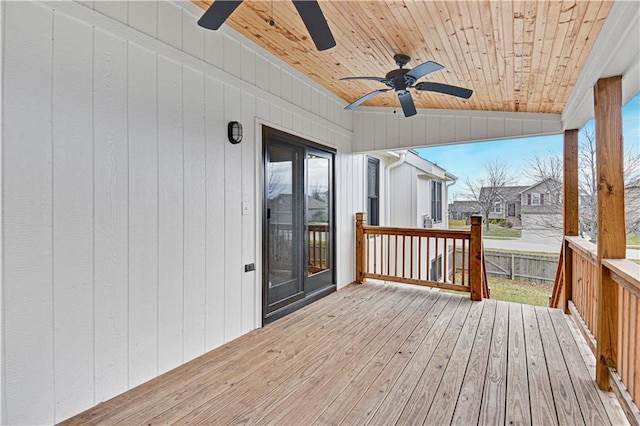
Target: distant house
(280, 213)
(536, 208)
(541, 211)
(508, 205)
(463, 210)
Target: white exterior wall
(423, 199)
(410, 198)
(403, 183)
(123, 231)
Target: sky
(467, 160)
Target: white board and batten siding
(128, 217)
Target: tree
(543, 167)
(486, 189)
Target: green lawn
(633, 239)
(517, 291)
(494, 231)
(520, 291)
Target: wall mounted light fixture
(234, 132)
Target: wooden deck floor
(381, 354)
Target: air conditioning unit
(427, 222)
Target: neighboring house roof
(313, 203)
(550, 184)
(464, 207)
(509, 194)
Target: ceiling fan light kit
(402, 79)
(309, 11)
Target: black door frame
(271, 134)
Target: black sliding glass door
(298, 226)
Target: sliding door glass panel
(284, 223)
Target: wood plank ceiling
(515, 55)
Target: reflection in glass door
(318, 219)
(298, 254)
(284, 220)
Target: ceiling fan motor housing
(397, 79)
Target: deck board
(467, 410)
(493, 405)
(518, 409)
(586, 393)
(543, 411)
(380, 354)
(564, 394)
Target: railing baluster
(454, 261)
(428, 258)
(419, 258)
(438, 271)
(395, 264)
(327, 249)
(411, 268)
(375, 253)
(464, 256)
(388, 253)
(445, 271)
(403, 255)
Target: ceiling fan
(309, 11)
(403, 79)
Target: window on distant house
(497, 207)
(373, 191)
(436, 201)
(535, 199)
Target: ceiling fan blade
(380, 79)
(408, 107)
(316, 23)
(460, 92)
(217, 13)
(423, 69)
(365, 98)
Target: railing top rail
(625, 272)
(586, 248)
(416, 232)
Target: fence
(519, 266)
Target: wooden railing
(626, 372)
(318, 247)
(444, 259)
(576, 291)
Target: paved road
(534, 246)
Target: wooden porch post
(475, 258)
(611, 220)
(570, 213)
(361, 247)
